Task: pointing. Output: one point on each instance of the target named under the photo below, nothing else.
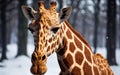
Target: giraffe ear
(29, 12)
(65, 13)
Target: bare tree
(119, 23)
(35, 4)
(111, 32)
(96, 22)
(60, 4)
(3, 28)
(75, 6)
(22, 30)
(84, 16)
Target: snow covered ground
(22, 64)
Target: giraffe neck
(71, 57)
(76, 57)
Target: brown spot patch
(78, 43)
(94, 60)
(72, 47)
(95, 71)
(54, 38)
(64, 26)
(64, 41)
(53, 45)
(41, 34)
(44, 27)
(50, 40)
(60, 33)
(40, 47)
(43, 38)
(103, 72)
(87, 69)
(99, 60)
(76, 71)
(46, 44)
(88, 55)
(48, 49)
(79, 58)
(69, 35)
(109, 71)
(58, 42)
(68, 61)
(41, 41)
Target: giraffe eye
(55, 29)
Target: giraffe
(53, 33)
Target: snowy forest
(97, 20)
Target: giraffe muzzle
(38, 63)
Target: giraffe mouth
(38, 70)
(38, 63)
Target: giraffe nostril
(43, 58)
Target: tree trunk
(60, 4)
(47, 3)
(96, 23)
(75, 6)
(22, 30)
(84, 25)
(3, 29)
(119, 23)
(111, 32)
(35, 4)
(84, 16)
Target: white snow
(21, 65)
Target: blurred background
(97, 20)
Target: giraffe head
(46, 29)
